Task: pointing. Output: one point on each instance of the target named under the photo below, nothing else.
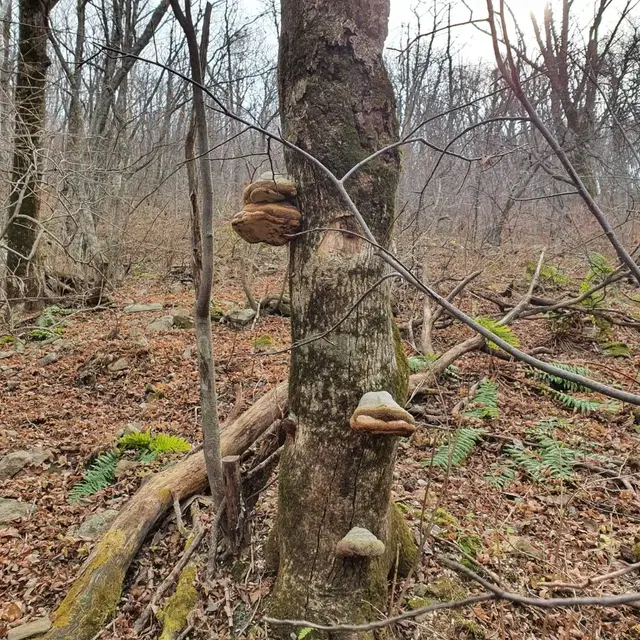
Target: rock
(96, 524)
(31, 629)
(50, 358)
(161, 324)
(187, 354)
(176, 287)
(182, 319)
(125, 465)
(240, 317)
(129, 428)
(12, 385)
(6, 354)
(521, 545)
(119, 365)
(143, 308)
(15, 461)
(361, 543)
(14, 509)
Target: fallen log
(95, 594)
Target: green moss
(447, 590)
(636, 551)
(400, 533)
(173, 615)
(471, 544)
(401, 387)
(418, 603)
(444, 519)
(94, 596)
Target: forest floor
(500, 508)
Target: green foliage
(147, 456)
(501, 475)
(599, 269)
(160, 443)
(49, 324)
(616, 349)
(262, 343)
(420, 363)
(7, 339)
(456, 452)
(168, 443)
(98, 476)
(135, 441)
(485, 402)
(500, 330)
(550, 274)
(583, 405)
(560, 383)
(303, 633)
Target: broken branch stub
(269, 214)
(379, 414)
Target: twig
(588, 582)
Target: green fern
(582, 405)
(500, 330)
(98, 476)
(457, 451)
(420, 363)
(485, 402)
(550, 274)
(599, 269)
(560, 383)
(168, 443)
(147, 456)
(501, 475)
(136, 440)
(160, 443)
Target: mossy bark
(23, 279)
(336, 103)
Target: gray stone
(521, 545)
(15, 461)
(361, 543)
(182, 319)
(240, 317)
(125, 465)
(187, 354)
(119, 365)
(6, 354)
(31, 629)
(129, 428)
(161, 324)
(176, 287)
(14, 509)
(96, 524)
(50, 358)
(142, 308)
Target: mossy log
(95, 594)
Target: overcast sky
(474, 44)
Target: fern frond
(147, 456)
(460, 447)
(528, 460)
(501, 475)
(420, 363)
(168, 443)
(581, 405)
(485, 402)
(500, 330)
(561, 383)
(136, 440)
(98, 476)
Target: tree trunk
(23, 279)
(337, 103)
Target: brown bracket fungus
(379, 414)
(269, 214)
(360, 543)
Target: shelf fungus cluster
(269, 214)
(359, 543)
(379, 414)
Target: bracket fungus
(269, 214)
(379, 414)
(361, 543)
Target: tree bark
(337, 103)
(23, 279)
